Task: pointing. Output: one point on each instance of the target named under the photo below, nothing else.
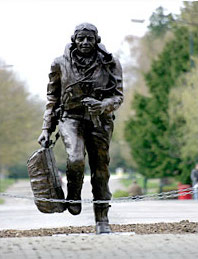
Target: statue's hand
(94, 106)
(44, 139)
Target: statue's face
(85, 42)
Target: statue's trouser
(78, 136)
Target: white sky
(34, 32)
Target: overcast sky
(34, 32)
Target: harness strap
(57, 136)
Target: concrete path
(27, 216)
(23, 214)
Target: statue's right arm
(53, 102)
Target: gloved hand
(44, 139)
(96, 107)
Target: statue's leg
(71, 133)
(98, 152)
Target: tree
(20, 120)
(148, 130)
(183, 107)
(141, 53)
(189, 15)
(160, 23)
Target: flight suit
(73, 79)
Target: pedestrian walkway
(112, 246)
(22, 214)
(26, 215)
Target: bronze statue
(85, 88)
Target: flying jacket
(67, 86)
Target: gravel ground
(182, 227)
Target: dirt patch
(182, 227)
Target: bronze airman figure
(85, 88)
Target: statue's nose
(85, 40)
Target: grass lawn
(4, 184)
(153, 186)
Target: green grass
(4, 184)
(120, 193)
(153, 185)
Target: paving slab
(165, 246)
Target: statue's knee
(76, 163)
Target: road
(23, 214)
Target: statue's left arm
(112, 97)
(115, 98)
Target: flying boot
(74, 193)
(101, 218)
(74, 208)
